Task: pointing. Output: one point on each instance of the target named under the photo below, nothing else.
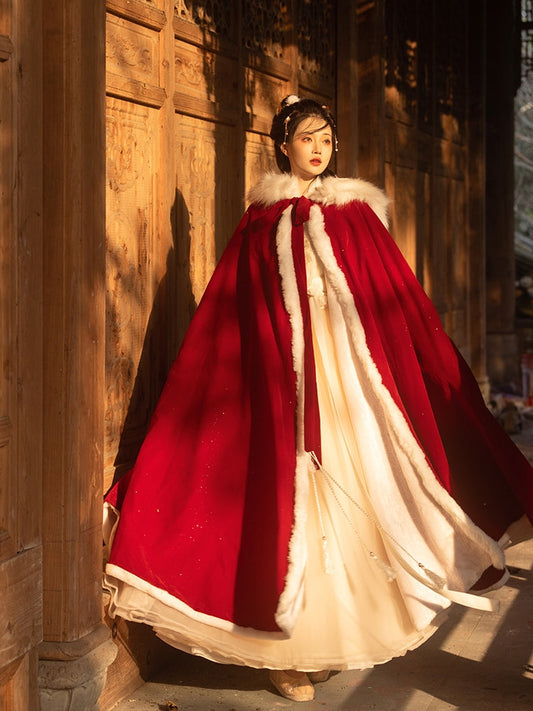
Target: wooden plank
(20, 691)
(370, 103)
(140, 92)
(21, 353)
(132, 50)
(8, 500)
(8, 672)
(319, 86)
(346, 88)
(20, 612)
(132, 197)
(139, 12)
(205, 75)
(6, 48)
(190, 32)
(269, 65)
(29, 263)
(9, 87)
(202, 108)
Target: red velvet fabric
(207, 512)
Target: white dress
(353, 614)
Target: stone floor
(476, 661)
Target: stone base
(72, 674)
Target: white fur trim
(291, 299)
(341, 191)
(329, 190)
(291, 597)
(322, 245)
(131, 598)
(274, 187)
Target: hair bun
(289, 100)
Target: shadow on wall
(172, 310)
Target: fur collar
(330, 190)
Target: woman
(321, 477)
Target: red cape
(208, 512)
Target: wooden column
(476, 225)
(76, 648)
(370, 92)
(501, 67)
(20, 352)
(347, 94)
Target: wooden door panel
(132, 159)
(205, 175)
(206, 83)
(133, 60)
(259, 157)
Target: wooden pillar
(370, 89)
(76, 649)
(347, 94)
(476, 203)
(502, 356)
(20, 352)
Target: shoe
(318, 676)
(292, 684)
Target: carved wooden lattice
(425, 66)
(264, 27)
(211, 15)
(457, 74)
(315, 23)
(402, 54)
(443, 74)
(426, 59)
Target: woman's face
(309, 150)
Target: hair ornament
(286, 127)
(291, 99)
(287, 101)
